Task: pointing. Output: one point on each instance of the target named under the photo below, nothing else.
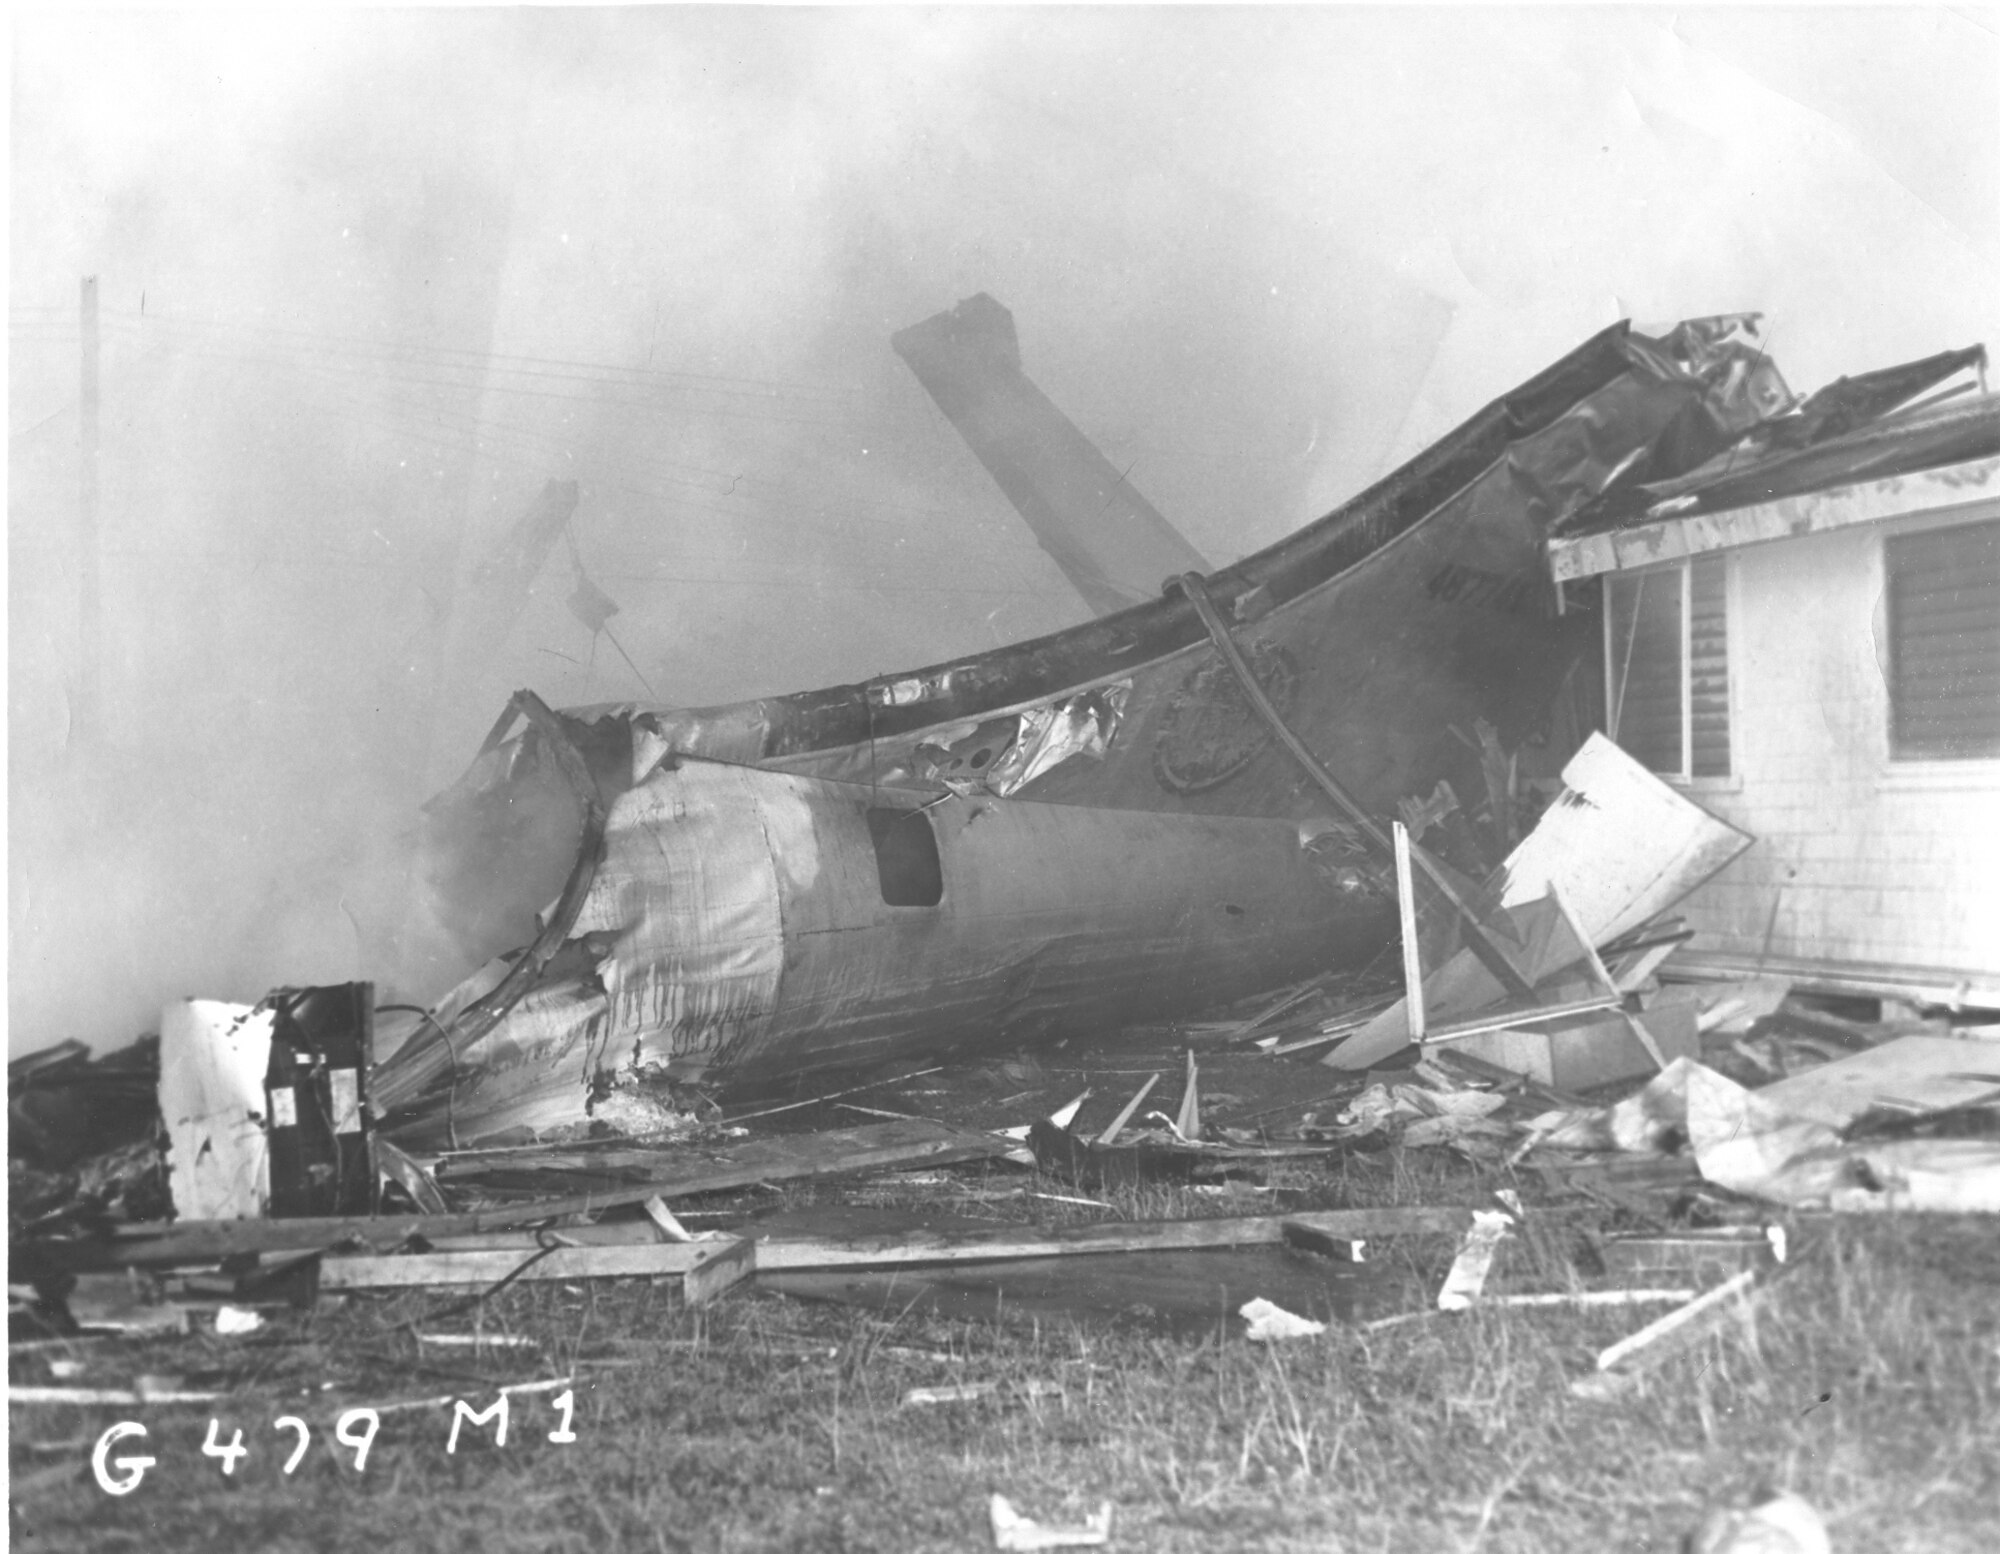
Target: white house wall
(1866, 873)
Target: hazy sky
(369, 278)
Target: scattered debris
(234, 1321)
(1911, 1074)
(1463, 998)
(1270, 1323)
(1707, 1256)
(964, 1392)
(1783, 1524)
(1731, 1008)
(1467, 1278)
(1753, 1142)
(1012, 1530)
(663, 1174)
(126, 1303)
(1609, 856)
(1117, 1125)
(1672, 1334)
(1304, 1237)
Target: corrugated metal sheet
(1944, 642)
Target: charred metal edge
(480, 1016)
(1029, 671)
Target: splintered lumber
(708, 1267)
(1110, 1135)
(681, 1172)
(1675, 1333)
(1008, 1244)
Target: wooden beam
(406, 1270)
(1070, 1241)
(834, 1153)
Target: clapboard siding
(1855, 859)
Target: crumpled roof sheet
(1845, 434)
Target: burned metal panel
(1484, 496)
(738, 923)
(1621, 845)
(1053, 921)
(213, 1061)
(1837, 446)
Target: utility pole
(85, 710)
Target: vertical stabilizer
(1108, 539)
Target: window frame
(909, 879)
(1921, 773)
(1683, 567)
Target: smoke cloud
(369, 280)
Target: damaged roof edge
(1906, 492)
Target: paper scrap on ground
(1270, 1322)
(1012, 1530)
(965, 1392)
(1784, 1524)
(1462, 1285)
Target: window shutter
(1643, 675)
(1708, 666)
(1944, 642)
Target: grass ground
(1867, 1380)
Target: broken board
(1154, 1237)
(705, 1267)
(1183, 1293)
(682, 1172)
(1910, 1074)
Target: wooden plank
(1675, 1333)
(832, 1153)
(1912, 1073)
(803, 1253)
(483, 1268)
(1406, 909)
(636, 1232)
(1110, 1135)
(735, 1263)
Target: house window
(906, 857)
(1944, 642)
(1666, 666)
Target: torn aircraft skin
(1088, 829)
(759, 922)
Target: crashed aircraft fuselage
(1093, 827)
